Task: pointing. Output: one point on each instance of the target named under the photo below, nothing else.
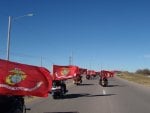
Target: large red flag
(22, 79)
(91, 72)
(82, 71)
(64, 72)
(107, 74)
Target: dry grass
(138, 78)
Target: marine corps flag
(107, 74)
(22, 79)
(82, 71)
(64, 72)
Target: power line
(16, 54)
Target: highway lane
(130, 97)
(120, 97)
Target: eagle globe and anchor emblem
(65, 71)
(16, 76)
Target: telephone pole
(71, 59)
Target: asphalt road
(119, 97)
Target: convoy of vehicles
(15, 85)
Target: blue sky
(101, 34)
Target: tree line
(143, 71)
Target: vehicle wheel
(87, 77)
(106, 84)
(54, 97)
(17, 111)
(100, 82)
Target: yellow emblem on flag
(65, 71)
(15, 77)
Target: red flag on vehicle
(107, 74)
(64, 72)
(82, 71)
(91, 72)
(22, 79)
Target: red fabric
(91, 72)
(107, 74)
(98, 73)
(64, 72)
(82, 71)
(22, 79)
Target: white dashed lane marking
(104, 92)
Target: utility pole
(41, 61)
(10, 20)
(8, 38)
(71, 59)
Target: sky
(98, 34)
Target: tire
(105, 83)
(88, 77)
(100, 82)
(54, 96)
(80, 81)
(17, 111)
(17, 106)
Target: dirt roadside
(137, 78)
